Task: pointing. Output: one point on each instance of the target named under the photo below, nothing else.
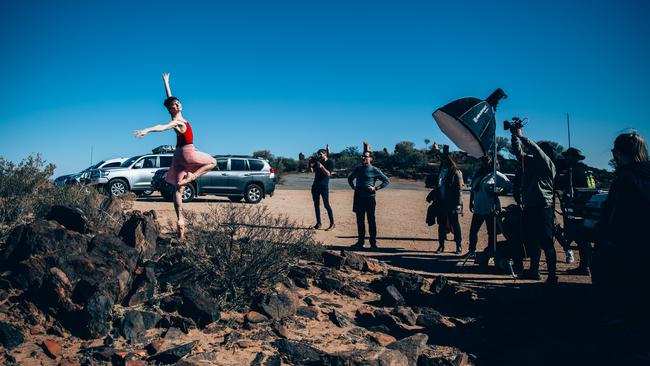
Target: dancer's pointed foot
(189, 177)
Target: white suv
(84, 175)
(132, 175)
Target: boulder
(332, 260)
(438, 285)
(279, 305)
(373, 357)
(95, 315)
(199, 305)
(71, 217)
(143, 288)
(299, 353)
(173, 355)
(405, 314)
(310, 312)
(353, 260)
(10, 336)
(411, 347)
(390, 296)
(141, 231)
(429, 318)
(133, 325)
(340, 320)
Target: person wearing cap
(536, 190)
(572, 176)
(363, 179)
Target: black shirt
(321, 178)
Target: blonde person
(188, 163)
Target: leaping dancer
(188, 163)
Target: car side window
(222, 164)
(112, 165)
(165, 161)
(256, 165)
(238, 165)
(146, 163)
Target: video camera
(514, 124)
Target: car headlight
(104, 173)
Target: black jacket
(452, 198)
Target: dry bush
(26, 193)
(236, 251)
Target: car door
(239, 175)
(216, 180)
(142, 172)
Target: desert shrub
(237, 251)
(26, 193)
(21, 187)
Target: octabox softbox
(470, 123)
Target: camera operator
(364, 202)
(537, 174)
(323, 168)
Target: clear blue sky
(292, 76)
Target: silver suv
(235, 176)
(132, 175)
(84, 176)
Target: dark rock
(143, 288)
(332, 260)
(330, 283)
(353, 260)
(72, 218)
(101, 353)
(430, 360)
(412, 347)
(171, 303)
(299, 353)
(141, 232)
(133, 325)
(254, 317)
(351, 290)
(173, 355)
(51, 348)
(96, 314)
(378, 356)
(301, 275)
(199, 305)
(310, 300)
(280, 329)
(10, 336)
(428, 317)
(340, 320)
(438, 285)
(310, 312)
(409, 285)
(29, 274)
(180, 322)
(393, 324)
(280, 304)
(391, 296)
(39, 238)
(406, 315)
(273, 360)
(257, 361)
(5, 284)
(150, 319)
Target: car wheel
(253, 193)
(188, 193)
(148, 192)
(235, 198)
(117, 187)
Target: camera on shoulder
(513, 125)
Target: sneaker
(357, 245)
(440, 249)
(569, 256)
(531, 275)
(579, 271)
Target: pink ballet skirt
(187, 159)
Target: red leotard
(185, 138)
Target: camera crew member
(323, 168)
(536, 191)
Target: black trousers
(318, 191)
(538, 235)
(452, 218)
(477, 222)
(365, 206)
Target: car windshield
(130, 161)
(94, 166)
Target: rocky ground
(72, 295)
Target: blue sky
(292, 76)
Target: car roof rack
(235, 156)
(162, 149)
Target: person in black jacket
(447, 193)
(622, 250)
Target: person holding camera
(536, 189)
(484, 202)
(323, 168)
(448, 197)
(365, 177)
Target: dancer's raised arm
(168, 90)
(158, 128)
